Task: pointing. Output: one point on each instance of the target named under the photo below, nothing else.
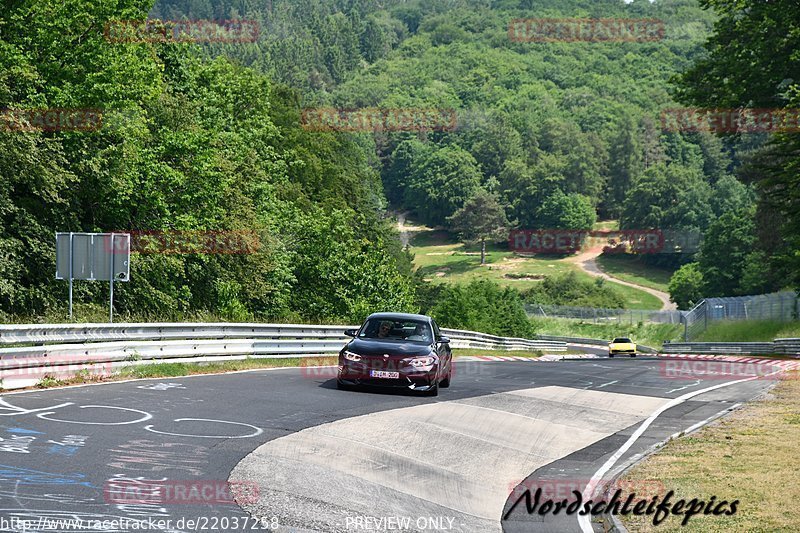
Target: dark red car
(397, 350)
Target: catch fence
(781, 306)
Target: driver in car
(420, 334)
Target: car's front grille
(381, 363)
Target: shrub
(480, 306)
(569, 289)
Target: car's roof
(400, 316)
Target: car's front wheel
(433, 391)
(446, 381)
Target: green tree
(441, 184)
(562, 211)
(751, 61)
(686, 286)
(481, 218)
(724, 252)
(625, 165)
(668, 197)
(481, 306)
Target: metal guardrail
(473, 339)
(593, 342)
(89, 347)
(787, 346)
(779, 346)
(91, 333)
(84, 333)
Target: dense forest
(209, 137)
(562, 133)
(189, 143)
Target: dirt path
(586, 261)
(405, 234)
(407, 229)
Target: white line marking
(696, 382)
(258, 431)
(145, 416)
(607, 384)
(588, 492)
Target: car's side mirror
(350, 333)
(444, 340)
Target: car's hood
(378, 347)
(622, 345)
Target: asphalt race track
(328, 460)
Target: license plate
(383, 374)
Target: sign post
(111, 283)
(93, 257)
(71, 251)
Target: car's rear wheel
(611, 355)
(342, 386)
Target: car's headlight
(420, 362)
(350, 356)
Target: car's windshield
(396, 330)
(621, 340)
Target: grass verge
(749, 331)
(636, 299)
(170, 370)
(652, 335)
(750, 456)
(630, 268)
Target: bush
(569, 289)
(480, 306)
(686, 286)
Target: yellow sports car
(622, 345)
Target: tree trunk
(483, 251)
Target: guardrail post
(685, 321)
